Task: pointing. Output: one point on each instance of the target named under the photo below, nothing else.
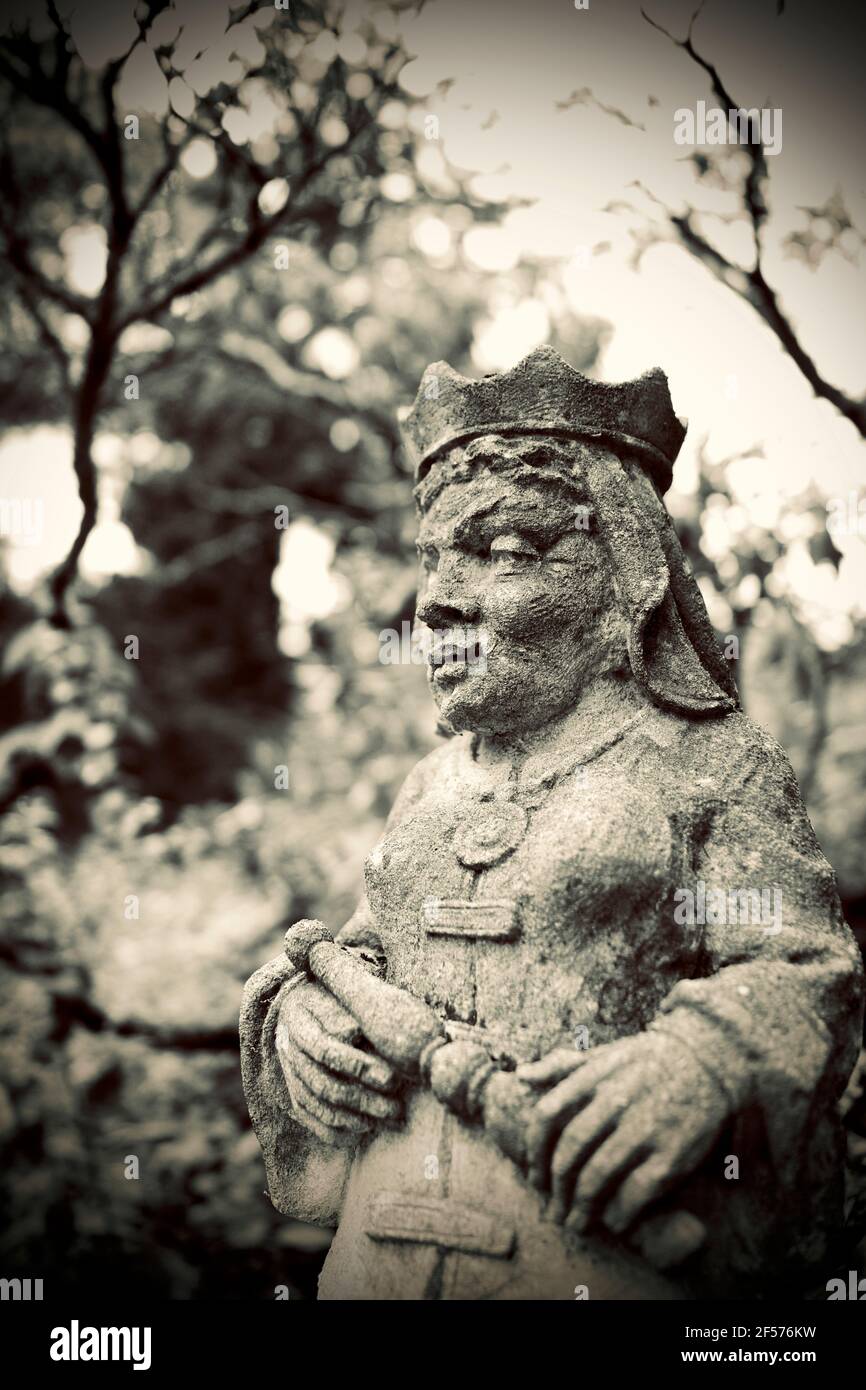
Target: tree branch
(751, 284)
(303, 385)
(257, 233)
(22, 61)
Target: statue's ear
(671, 644)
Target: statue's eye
(513, 552)
(429, 557)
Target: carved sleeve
(306, 1178)
(776, 1011)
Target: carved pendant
(491, 831)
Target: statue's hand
(337, 1090)
(620, 1126)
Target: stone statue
(586, 1033)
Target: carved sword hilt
(408, 1034)
(402, 1029)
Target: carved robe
(539, 910)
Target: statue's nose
(450, 598)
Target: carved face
(521, 599)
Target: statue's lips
(456, 655)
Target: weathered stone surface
(605, 889)
(544, 394)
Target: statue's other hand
(621, 1125)
(338, 1090)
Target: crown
(545, 395)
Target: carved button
(491, 834)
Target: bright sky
(511, 66)
(506, 68)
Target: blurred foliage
(149, 857)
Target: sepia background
(233, 236)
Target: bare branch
(304, 385)
(753, 195)
(22, 61)
(585, 95)
(19, 258)
(260, 500)
(257, 233)
(46, 332)
(122, 217)
(211, 552)
(38, 88)
(17, 251)
(751, 284)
